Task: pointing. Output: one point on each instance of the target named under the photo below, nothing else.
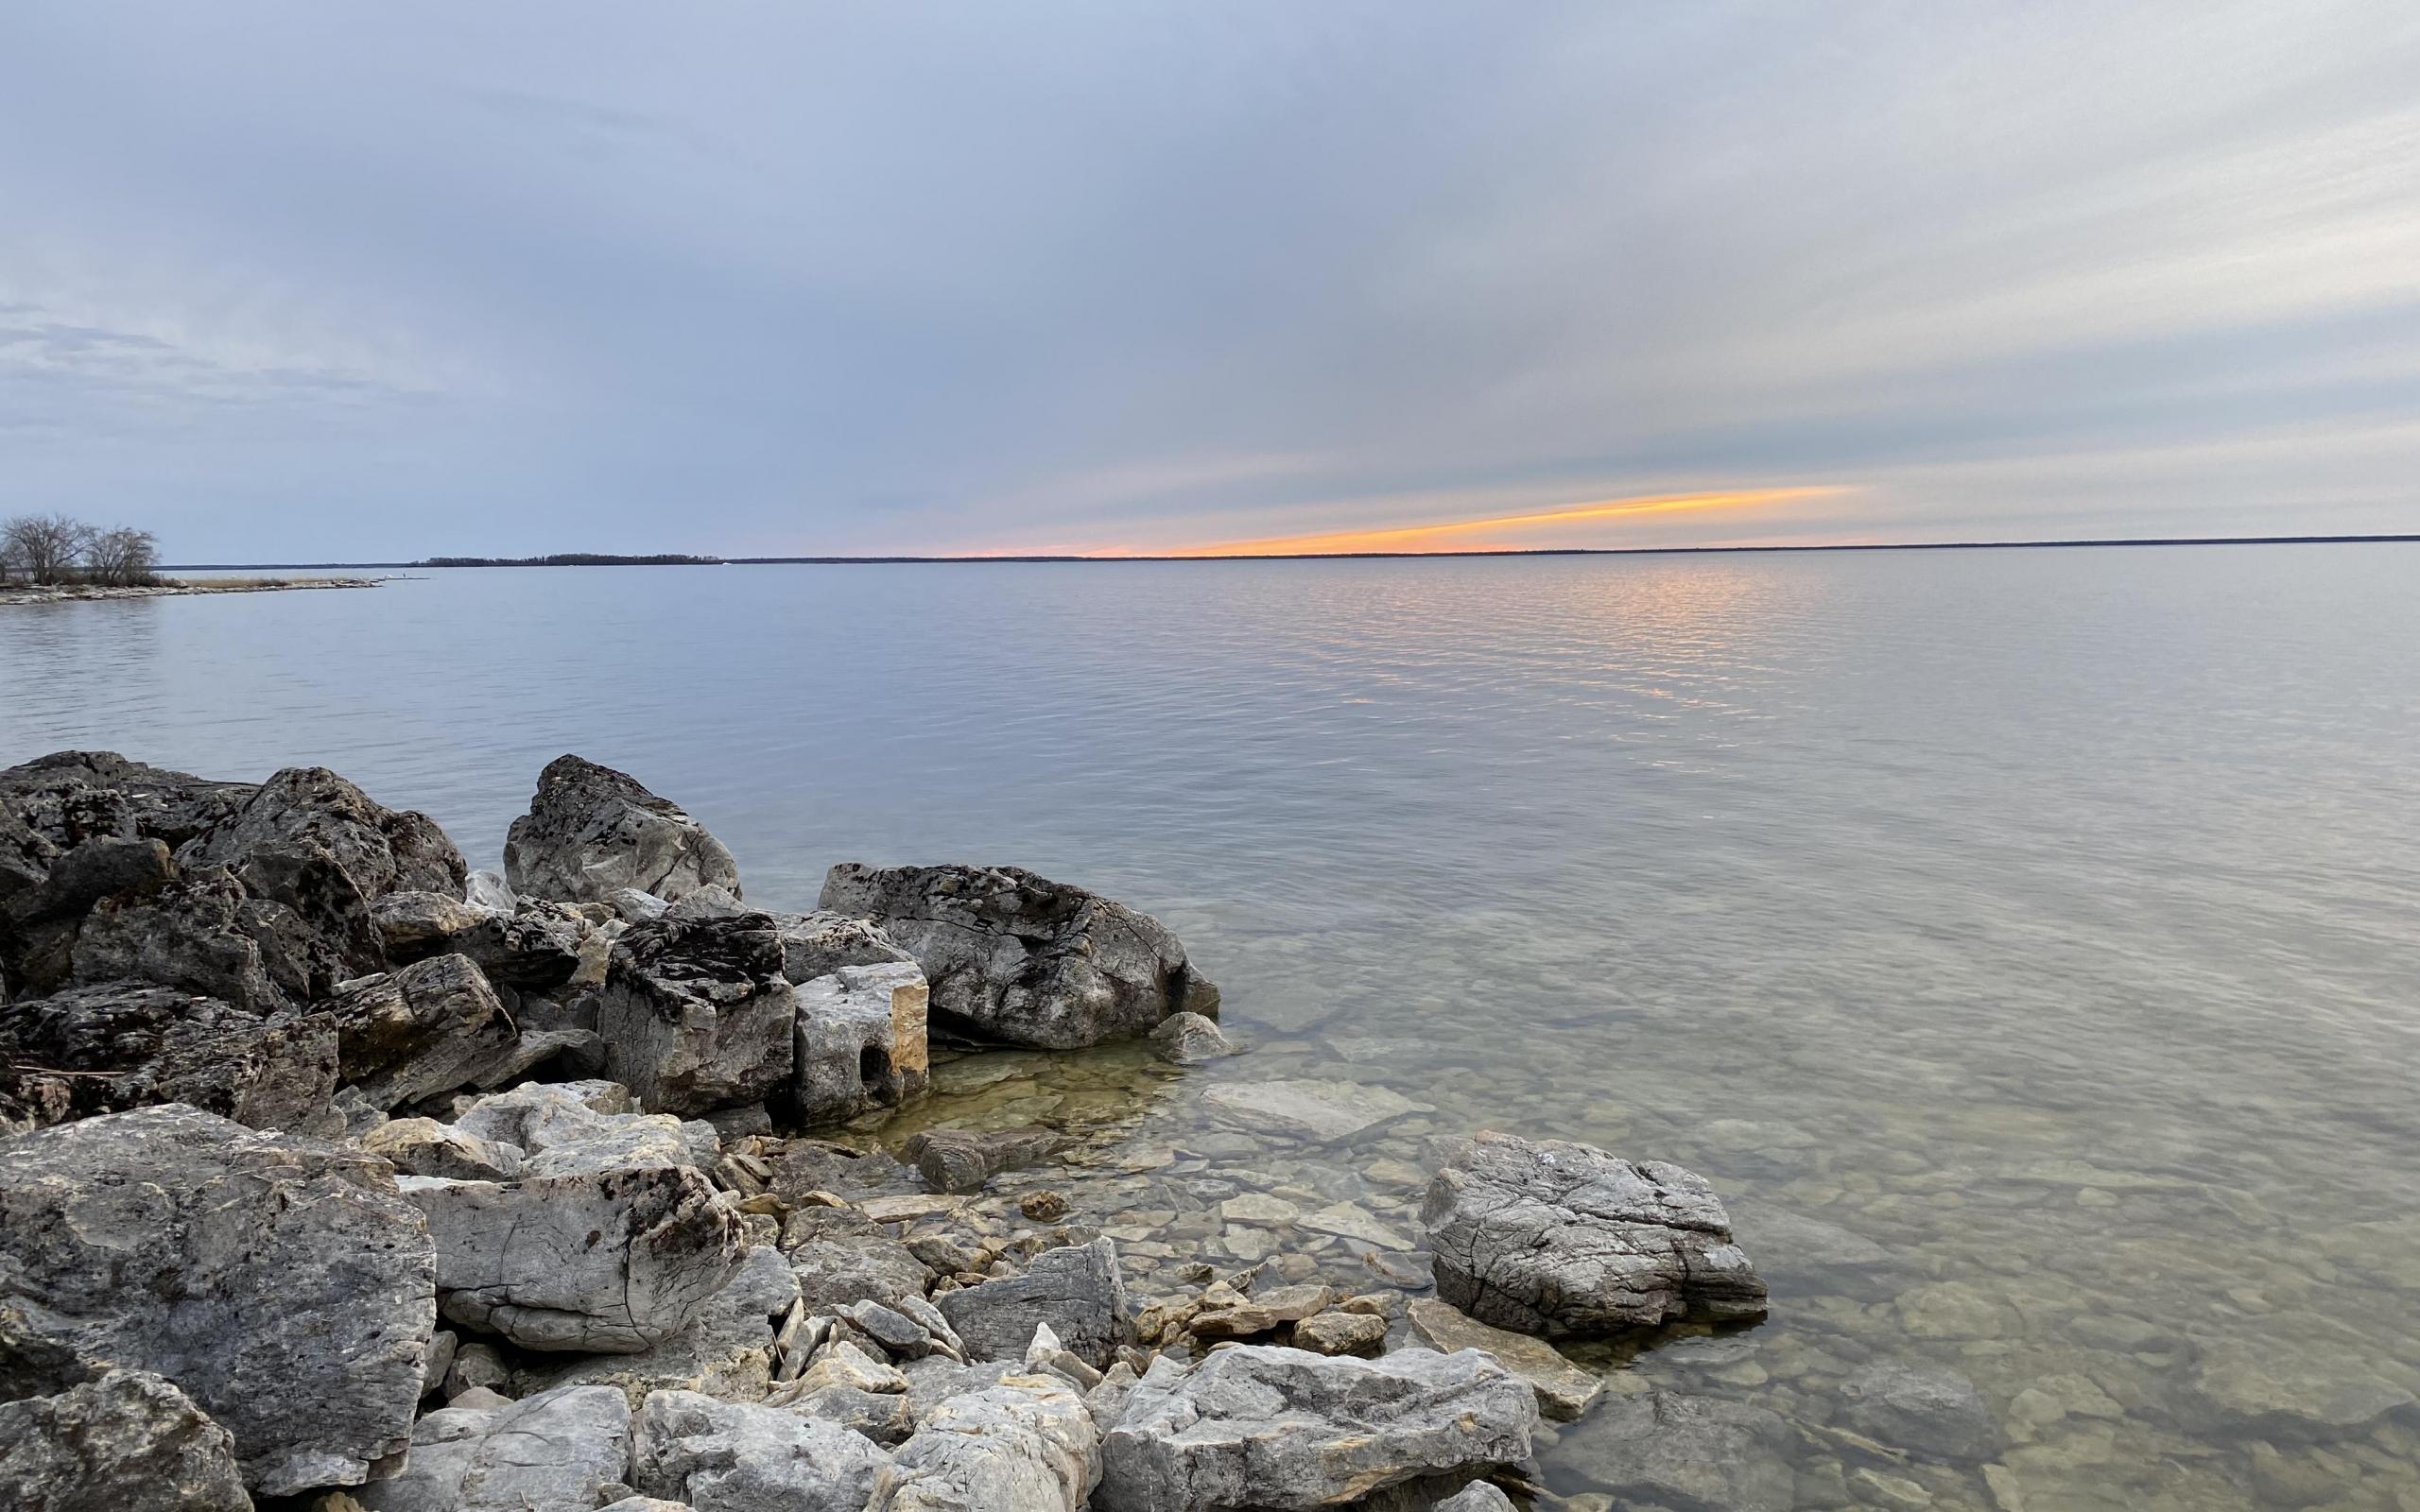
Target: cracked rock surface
(592, 830)
(551, 1452)
(695, 1013)
(128, 1442)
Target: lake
(2025, 943)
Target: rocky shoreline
(338, 1175)
(79, 592)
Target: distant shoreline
(443, 563)
(94, 592)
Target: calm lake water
(2026, 943)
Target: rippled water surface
(2027, 944)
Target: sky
(349, 282)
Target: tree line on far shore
(575, 559)
(51, 549)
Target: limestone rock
(602, 1263)
(128, 1442)
(839, 1257)
(1563, 1239)
(424, 1146)
(52, 804)
(726, 1352)
(1017, 958)
(380, 850)
(132, 1044)
(592, 832)
(1667, 1449)
(488, 890)
(1340, 1333)
(535, 946)
(2301, 1384)
(638, 907)
(1189, 1040)
(728, 1456)
(1477, 1497)
(1312, 1109)
(280, 1283)
(1075, 1289)
(562, 1128)
(697, 1015)
(424, 1029)
(1027, 1443)
(961, 1161)
(1259, 1426)
(1925, 1410)
(820, 943)
(555, 1452)
(859, 1041)
(207, 934)
(1241, 1316)
(1563, 1389)
(848, 1387)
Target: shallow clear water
(2049, 919)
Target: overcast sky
(324, 280)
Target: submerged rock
(1564, 1390)
(961, 1161)
(551, 1452)
(592, 832)
(859, 1041)
(1559, 1239)
(128, 1442)
(1311, 1108)
(280, 1284)
(1665, 1449)
(1259, 1426)
(133, 1044)
(697, 1015)
(1017, 958)
(1925, 1410)
(1189, 1040)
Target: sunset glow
(1501, 532)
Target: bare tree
(124, 558)
(44, 547)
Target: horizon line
(1351, 555)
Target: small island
(52, 558)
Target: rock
(279, 1283)
(839, 1257)
(1044, 1207)
(2298, 1386)
(636, 907)
(848, 1387)
(1028, 1443)
(1259, 1426)
(1046, 1354)
(1340, 1333)
(535, 947)
(1189, 1040)
(1477, 1497)
(728, 1456)
(1562, 1240)
(726, 1352)
(1929, 1412)
(424, 1146)
(132, 1044)
(487, 890)
(380, 850)
(418, 1031)
(821, 942)
(903, 1336)
(1016, 957)
(859, 1042)
(602, 1263)
(1075, 1289)
(477, 1368)
(562, 1128)
(1311, 1109)
(960, 1160)
(439, 1363)
(555, 1452)
(1671, 1449)
(709, 901)
(1564, 1390)
(697, 1015)
(592, 832)
(206, 933)
(128, 1442)
(1261, 1313)
(52, 804)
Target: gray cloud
(326, 280)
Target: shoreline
(81, 592)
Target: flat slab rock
(133, 1044)
(1259, 1426)
(1027, 1443)
(280, 1284)
(555, 1452)
(731, 1456)
(1309, 1109)
(128, 1442)
(1563, 1239)
(1564, 1390)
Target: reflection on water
(2024, 941)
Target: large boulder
(380, 850)
(859, 1042)
(726, 1352)
(731, 1456)
(592, 830)
(1563, 1239)
(1261, 1426)
(1013, 956)
(53, 804)
(133, 1044)
(424, 1029)
(598, 1262)
(280, 1284)
(555, 1452)
(821, 942)
(206, 933)
(128, 1442)
(1075, 1290)
(697, 1015)
(1027, 1443)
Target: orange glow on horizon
(1458, 535)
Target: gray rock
(128, 1442)
(1189, 1040)
(1692, 1452)
(728, 1456)
(380, 850)
(207, 934)
(1313, 1109)
(280, 1283)
(960, 1160)
(859, 1041)
(477, 1368)
(424, 1146)
(439, 1363)
(697, 1015)
(563, 1129)
(602, 1263)
(1243, 1316)
(418, 1031)
(1929, 1412)
(555, 1452)
(1076, 1290)
(1340, 1333)
(1477, 1497)
(636, 907)
(2301, 1384)
(592, 832)
(1562, 1240)
(132, 1044)
(709, 901)
(1259, 1426)
(52, 804)
(820, 943)
(1027, 1443)
(848, 1387)
(533, 947)
(1017, 958)
(839, 1257)
(487, 890)
(1564, 1390)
